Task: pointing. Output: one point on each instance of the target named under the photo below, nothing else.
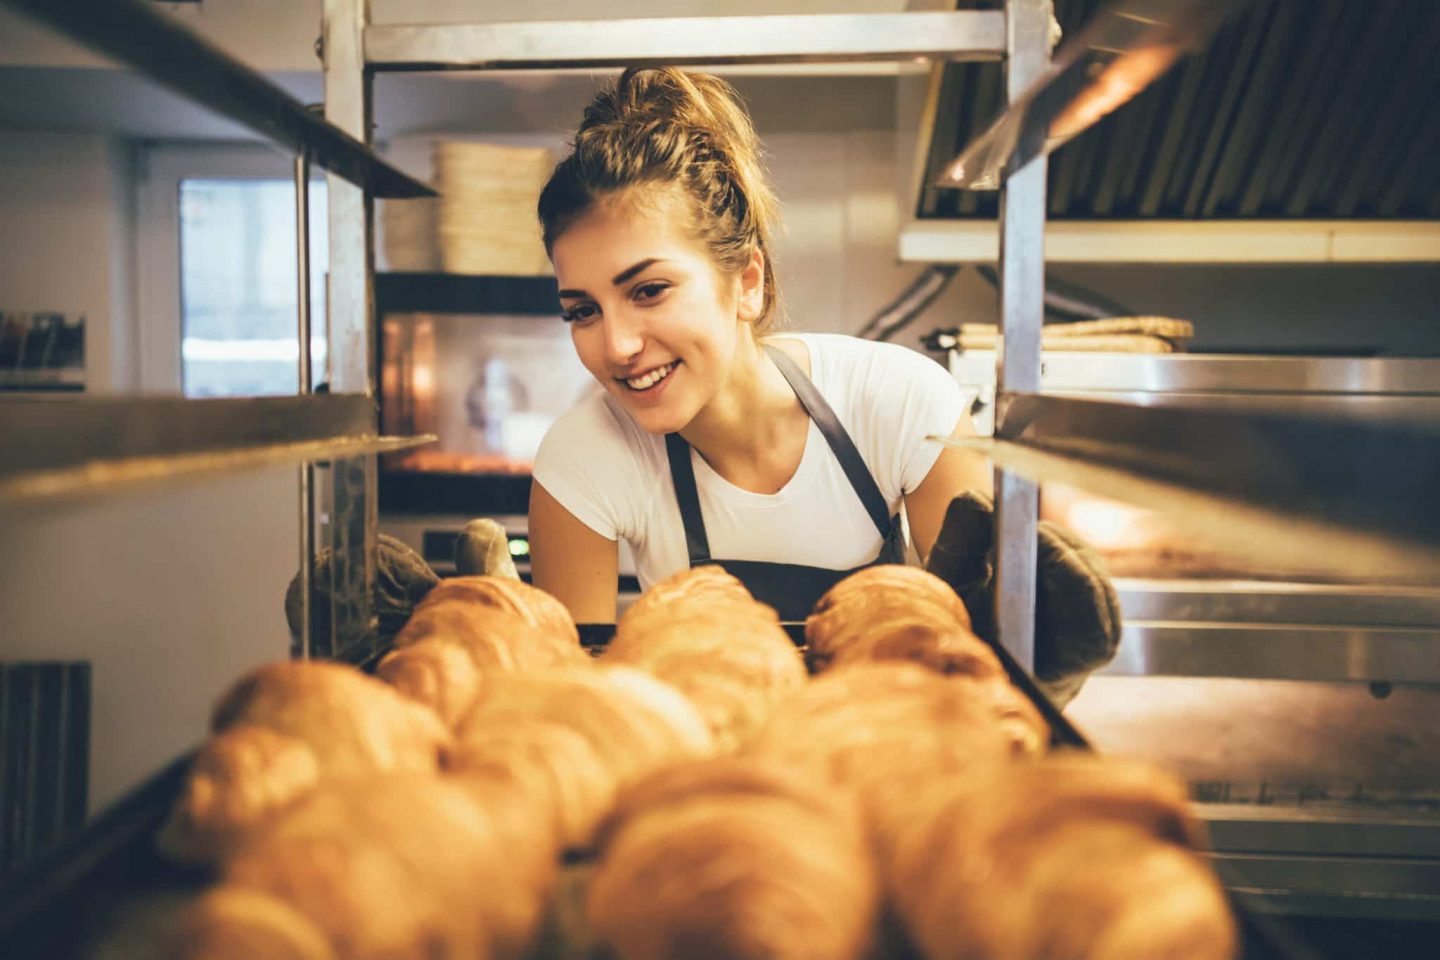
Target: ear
(751, 301)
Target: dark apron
(792, 589)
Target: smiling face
(652, 318)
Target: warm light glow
(1118, 83)
(1106, 525)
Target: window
(238, 311)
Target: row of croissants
(498, 792)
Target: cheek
(588, 347)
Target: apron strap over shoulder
(682, 473)
(835, 434)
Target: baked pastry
(503, 625)
(701, 631)
(704, 586)
(879, 728)
(355, 725)
(1067, 857)
(406, 867)
(238, 779)
(438, 672)
(732, 857)
(632, 723)
(892, 611)
(552, 762)
(233, 923)
(532, 605)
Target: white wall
(66, 200)
(169, 593)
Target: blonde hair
(660, 125)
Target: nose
(624, 337)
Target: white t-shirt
(615, 478)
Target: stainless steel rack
(86, 446)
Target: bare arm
(954, 472)
(570, 561)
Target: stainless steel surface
(1276, 603)
(307, 472)
(1217, 373)
(1123, 49)
(1022, 284)
(1319, 798)
(816, 38)
(1308, 885)
(1323, 493)
(1278, 652)
(351, 508)
(1329, 828)
(134, 33)
(57, 450)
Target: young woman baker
(783, 457)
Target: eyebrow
(616, 280)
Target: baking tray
(106, 891)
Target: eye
(580, 313)
(650, 291)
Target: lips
(650, 378)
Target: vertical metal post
(307, 471)
(352, 509)
(1022, 289)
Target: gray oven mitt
(1077, 612)
(483, 549)
(402, 579)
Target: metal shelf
(461, 293)
(1347, 495)
(677, 41)
(59, 449)
(132, 32)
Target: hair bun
(660, 126)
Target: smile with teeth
(647, 380)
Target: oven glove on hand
(1077, 612)
(402, 579)
(483, 549)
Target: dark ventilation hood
(1297, 110)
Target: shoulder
(599, 465)
(596, 436)
(873, 368)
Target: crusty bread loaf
(355, 724)
(238, 779)
(702, 632)
(407, 867)
(1070, 856)
(735, 858)
(632, 722)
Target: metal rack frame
(60, 451)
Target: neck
(749, 428)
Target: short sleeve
(901, 396)
(933, 406)
(584, 463)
